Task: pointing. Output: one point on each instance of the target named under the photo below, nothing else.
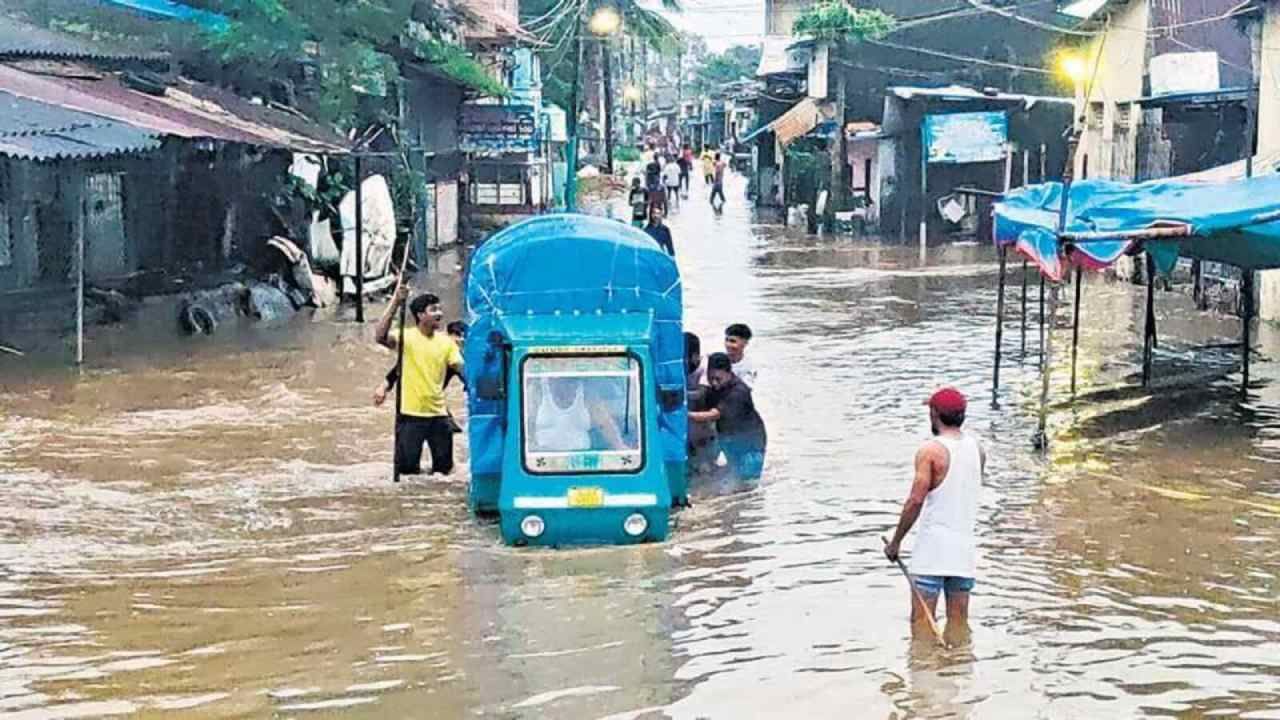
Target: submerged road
(208, 529)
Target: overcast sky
(722, 22)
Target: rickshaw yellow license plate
(586, 497)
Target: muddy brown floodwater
(208, 529)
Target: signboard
(966, 137)
(1184, 72)
(497, 128)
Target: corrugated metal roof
(33, 130)
(23, 40)
(187, 110)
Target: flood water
(208, 529)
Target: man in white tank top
(944, 499)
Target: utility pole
(571, 163)
(839, 153)
(607, 70)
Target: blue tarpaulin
(597, 278)
(170, 10)
(1236, 223)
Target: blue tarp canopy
(1235, 222)
(568, 278)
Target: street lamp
(604, 21)
(1073, 67)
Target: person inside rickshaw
(577, 415)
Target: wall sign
(966, 137)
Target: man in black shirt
(740, 429)
(659, 232)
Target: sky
(721, 22)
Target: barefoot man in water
(944, 498)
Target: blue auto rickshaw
(575, 366)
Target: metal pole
(1075, 328)
(1149, 330)
(995, 375)
(607, 64)
(1024, 309)
(80, 207)
(571, 163)
(1046, 359)
(1246, 290)
(924, 193)
(359, 241)
(1026, 168)
(1042, 321)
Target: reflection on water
(209, 529)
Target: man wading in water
(944, 497)
(428, 355)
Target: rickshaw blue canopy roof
(1235, 222)
(568, 279)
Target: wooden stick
(12, 351)
(915, 593)
(395, 434)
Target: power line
(960, 58)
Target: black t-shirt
(738, 417)
(653, 175)
(639, 204)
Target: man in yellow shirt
(428, 355)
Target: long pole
(1024, 309)
(995, 375)
(1046, 359)
(359, 240)
(920, 604)
(924, 192)
(571, 163)
(607, 64)
(80, 207)
(1149, 329)
(1041, 321)
(395, 435)
(1075, 328)
(1246, 290)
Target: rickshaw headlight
(532, 526)
(635, 524)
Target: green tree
(715, 71)
(354, 48)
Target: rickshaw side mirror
(670, 399)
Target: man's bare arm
(920, 487)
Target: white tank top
(562, 429)
(946, 544)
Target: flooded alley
(208, 528)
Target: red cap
(948, 400)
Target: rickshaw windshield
(582, 414)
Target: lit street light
(604, 21)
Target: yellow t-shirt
(425, 361)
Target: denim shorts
(931, 585)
